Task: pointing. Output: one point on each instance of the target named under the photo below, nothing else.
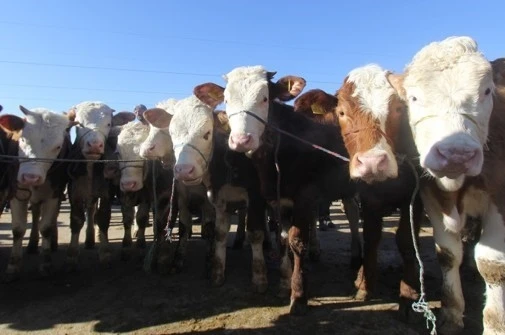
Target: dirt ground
(123, 298)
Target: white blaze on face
(246, 90)
(158, 143)
(42, 137)
(374, 92)
(449, 89)
(128, 147)
(191, 130)
(95, 120)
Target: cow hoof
(141, 243)
(260, 286)
(356, 263)
(298, 307)
(361, 295)
(448, 327)
(89, 244)
(32, 248)
(11, 277)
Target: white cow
(449, 90)
(43, 134)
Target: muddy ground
(123, 298)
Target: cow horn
(25, 110)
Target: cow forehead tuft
(242, 72)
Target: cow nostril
(151, 148)
(100, 145)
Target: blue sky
(56, 53)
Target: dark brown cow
(306, 174)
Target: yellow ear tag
(215, 96)
(317, 109)
(289, 85)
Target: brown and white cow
(307, 175)
(87, 183)
(43, 135)
(457, 116)
(374, 126)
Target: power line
(60, 100)
(134, 70)
(91, 89)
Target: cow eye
(488, 90)
(206, 136)
(108, 124)
(265, 99)
(414, 99)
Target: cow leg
(128, 213)
(103, 216)
(90, 224)
(49, 210)
(19, 218)
(256, 234)
(351, 210)
(409, 284)
(314, 246)
(303, 217)
(33, 243)
(185, 228)
(142, 218)
(221, 237)
(240, 235)
(77, 218)
(490, 259)
(449, 250)
(372, 232)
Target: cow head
(249, 89)
(42, 135)
(191, 130)
(129, 140)
(448, 87)
(370, 114)
(158, 143)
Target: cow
(456, 109)
(188, 199)
(87, 184)
(199, 136)
(135, 182)
(43, 135)
(306, 175)
(374, 125)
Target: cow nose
(128, 185)
(95, 145)
(457, 155)
(372, 164)
(30, 178)
(184, 171)
(240, 139)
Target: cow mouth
(191, 182)
(452, 173)
(92, 155)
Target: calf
(43, 135)
(87, 184)
(374, 126)
(458, 131)
(307, 175)
(189, 199)
(202, 157)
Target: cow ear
(289, 87)
(158, 118)
(210, 94)
(315, 103)
(122, 118)
(11, 122)
(221, 122)
(396, 80)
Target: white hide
(129, 140)
(444, 81)
(192, 123)
(95, 119)
(158, 143)
(42, 137)
(247, 90)
(374, 92)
